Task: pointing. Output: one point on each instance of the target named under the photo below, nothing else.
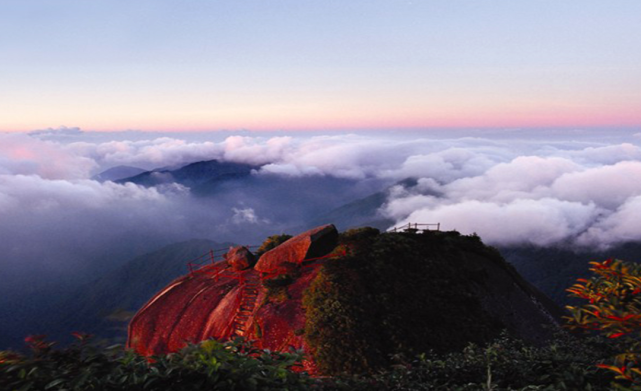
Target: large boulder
(314, 243)
(240, 258)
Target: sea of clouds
(571, 188)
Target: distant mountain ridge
(96, 307)
(117, 173)
(554, 269)
(363, 212)
(203, 174)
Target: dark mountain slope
(555, 269)
(359, 213)
(118, 172)
(362, 212)
(206, 173)
(101, 306)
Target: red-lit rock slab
(182, 312)
(200, 306)
(310, 244)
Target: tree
(614, 310)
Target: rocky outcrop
(414, 292)
(217, 302)
(310, 244)
(240, 258)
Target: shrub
(504, 364)
(393, 293)
(613, 309)
(209, 365)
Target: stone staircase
(248, 296)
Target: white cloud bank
(532, 199)
(509, 191)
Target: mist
(57, 224)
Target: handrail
(210, 257)
(414, 227)
(217, 269)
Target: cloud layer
(579, 196)
(510, 190)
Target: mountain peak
(118, 172)
(351, 300)
(203, 174)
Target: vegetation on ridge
(505, 364)
(613, 309)
(357, 311)
(378, 307)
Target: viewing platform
(415, 228)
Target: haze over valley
(61, 229)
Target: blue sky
(269, 65)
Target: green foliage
(341, 335)
(272, 242)
(505, 364)
(281, 280)
(208, 365)
(357, 235)
(276, 288)
(613, 308)
(395, 293)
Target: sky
(170, 65)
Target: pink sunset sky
(319, 65)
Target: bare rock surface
(240, 258)
(314, 243)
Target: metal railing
(210, 258)
(416, 228)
